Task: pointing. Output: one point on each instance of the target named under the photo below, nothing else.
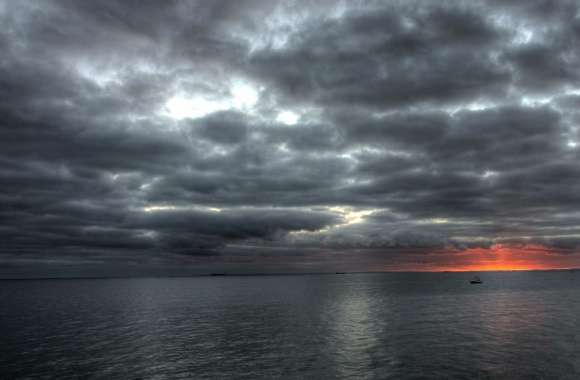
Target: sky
(180, 137)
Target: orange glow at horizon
(505, 257)
(499, 257)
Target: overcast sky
(200, 136)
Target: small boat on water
(476, 280)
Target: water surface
(517, 325)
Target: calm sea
(518, 325)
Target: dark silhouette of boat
(476, 280)
(217, 274)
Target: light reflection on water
(521, 325)
(353, 332)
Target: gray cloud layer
(164, 129)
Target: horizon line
(259, 274)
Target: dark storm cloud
(72, 227)
(141, 130)
(222, 128)
(388, 58)
(235, 224)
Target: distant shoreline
(279, 274)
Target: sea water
(516, 325)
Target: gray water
(520, 325)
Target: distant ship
(475, 280)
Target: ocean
(516, 325)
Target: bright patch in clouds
(351, 215)
(288, 117)
(489, 173)
(160, 208)
(243, 97)
(182, 107)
